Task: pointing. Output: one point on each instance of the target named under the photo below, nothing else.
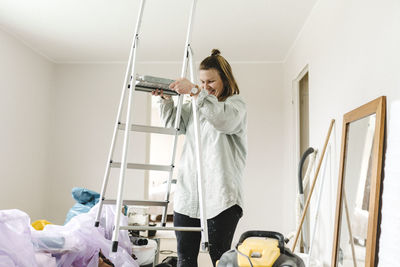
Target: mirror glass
(356, 192)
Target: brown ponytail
(219, 63)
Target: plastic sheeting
(75, 244)
(85, 196)
(107, 224)
(15, 243)
(45, 259)
(85, 199)
(78, 242)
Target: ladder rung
(149, 129)
(150, 167)
(144, 228)
(138, 202)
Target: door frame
(296, 115)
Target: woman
(222, 118)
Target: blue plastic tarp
(85, 199)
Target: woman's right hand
(160, 92)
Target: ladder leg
(112, 147)
(199, 162)
(179, 107)
(188, 60)
(124, 162)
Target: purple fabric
(83, 241)
(45, 259)
(15, 240)
(75, 244)
(107, 223)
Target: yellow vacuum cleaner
(260, 249)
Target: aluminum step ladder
(130, 87)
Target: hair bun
(215, 52)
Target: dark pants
(220, 234)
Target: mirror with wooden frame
(357, 207)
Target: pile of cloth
(85, 200)
(77, 243)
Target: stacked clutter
(144, 248)
(78, 243)
(145, 251)
(16, 248)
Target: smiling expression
(211, 81)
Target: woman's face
(212, 82)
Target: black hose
(309, 151)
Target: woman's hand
(182, 86)
(160, 93)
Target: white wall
(85, 106)
(351, 49)
(25, 85)
(261, 86)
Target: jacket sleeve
(168, 114)
(226, 116)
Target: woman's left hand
(182, 86)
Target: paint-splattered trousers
(220, 234)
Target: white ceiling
(102, 30)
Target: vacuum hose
(309, 151)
